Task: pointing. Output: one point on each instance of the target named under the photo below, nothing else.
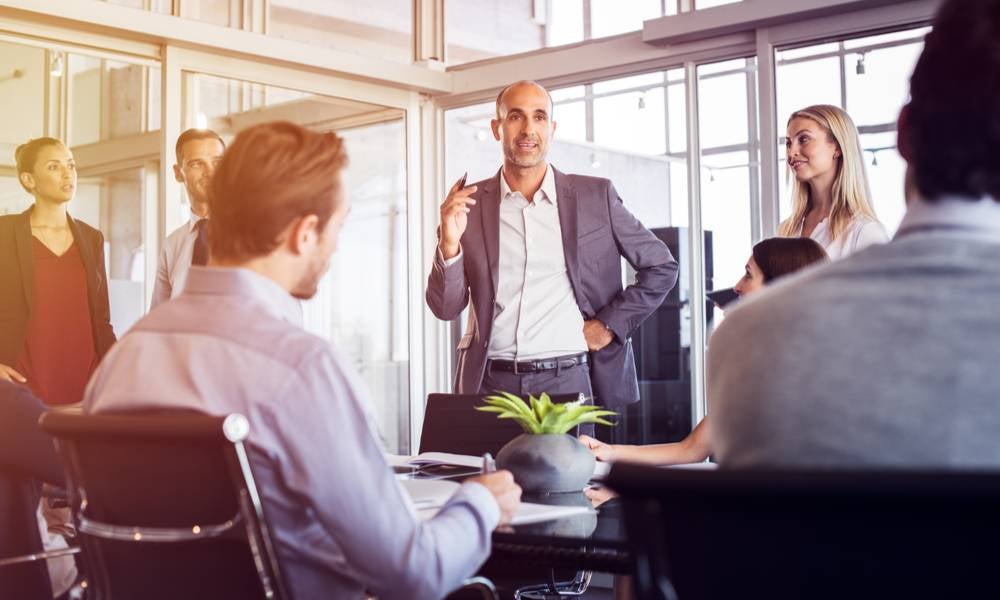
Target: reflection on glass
(216, 12)
(631, 122)
(625, 83)
(801, 84)
(878, 83)
(610, 17)
(112, 203)
(886, 170)
(728, 176)
(571, 121)
(88, 102)
(376, 28)
(367, 325)
(723, 118)
(160, 6)
(480, 30)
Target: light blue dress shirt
(233, 342)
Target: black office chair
(27, 459)
(799, 534)
(451, 424)
(166, 506)
(23, 560)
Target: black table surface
(595, 541)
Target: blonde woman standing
(831, 202)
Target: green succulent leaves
(541, 415)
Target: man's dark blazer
(17, 284)
(597, 230)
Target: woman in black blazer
(55, 318)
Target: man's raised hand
(455, 217)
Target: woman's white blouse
(860, 233)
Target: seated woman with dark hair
(771, 259)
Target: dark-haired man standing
(889, 357)
(198, 152)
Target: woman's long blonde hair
(851, 195)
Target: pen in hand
(489, 465)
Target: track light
(594, 163)
(642, 100)
(860, 67)
(56, 64)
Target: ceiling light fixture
(56, 64)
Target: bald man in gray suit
(539, 252)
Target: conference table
(593, 542)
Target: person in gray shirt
(232, 342)
(889, 357)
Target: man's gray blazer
(597, 230)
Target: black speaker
(662, 347)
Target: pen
(488, 465)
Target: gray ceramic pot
(547, 463)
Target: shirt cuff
(450, 261)
(481, 500)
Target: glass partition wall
(361, 306)
(104, 110)
(635, 130)
(685, 131)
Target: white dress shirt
(861, 232)
(536, 312)
(175, 260)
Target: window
(376, 28)
(91, 102)
(369, 329)
(729, 178)
(481, 29)
(875, 72)
(631, 131)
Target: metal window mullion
(768, 134)
(843, 76)
(666, 143)
(588, 110)
(149, 215)
(429, 337)
(754, 150)
(696, 237)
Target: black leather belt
(537, 366)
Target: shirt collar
(548, 188)
(952, 212)
(193, 221)
(246, 284)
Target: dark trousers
(571, 380)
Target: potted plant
(545, 458)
